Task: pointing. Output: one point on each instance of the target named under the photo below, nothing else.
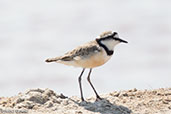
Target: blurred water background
(33, 30)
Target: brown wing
(83, 51)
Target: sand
(42, 101)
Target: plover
(90, 55)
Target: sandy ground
(39, 101)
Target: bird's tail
(53, 59)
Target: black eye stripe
(106, 38)
(109, 36)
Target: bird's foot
(82, 99)
(98, 98)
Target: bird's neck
(108, 51)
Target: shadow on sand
(103, 106)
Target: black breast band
(109, 52)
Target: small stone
(124, 101)
(35, 90)
(159, 94)
(131, 97)
(165, 102)
(37, 99)
(49, 104)
(56, 101)
(49, 92)
(125, 94)
(65, 102)
(167, 94)
(78, 112)
(27, 105)
(168, 100)
(132, 90)
(62, 96)
(154, 92)
(116, 95)
(169, 107)
(19, 100)
(138, 96)
(4, 102)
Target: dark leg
(79, 80)
(88, 78)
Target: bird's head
(110, 39)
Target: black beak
(120, 40)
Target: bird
(90, 55)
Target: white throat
(110, 44)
